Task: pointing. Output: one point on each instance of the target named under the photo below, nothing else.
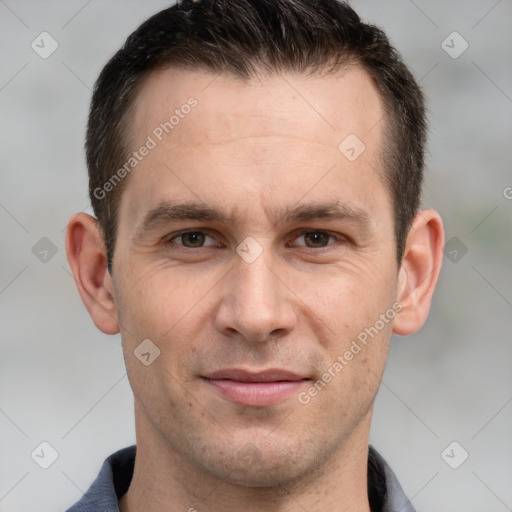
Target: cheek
(163, 301)
(173, 309)
(158, 308)
(357, 340)
(347, 300)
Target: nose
(256, 303)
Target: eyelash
(338, 239)
(168, 240)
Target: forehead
(326, 107)
(272, 137)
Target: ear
(87, 258)
(419, 271)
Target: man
(255, 170)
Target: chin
(263, 465)
(266, 475)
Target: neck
(163, 481)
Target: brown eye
(183, 240)
(192, 239)
(316, 239)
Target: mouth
(256, 388)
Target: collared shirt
(384, 491)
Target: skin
(253, 150)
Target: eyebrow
(334, 210)
(167, 213)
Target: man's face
(260, 160)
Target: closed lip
(268, 375)
(255, 388)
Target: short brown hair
(244, 38)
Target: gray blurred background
(63, 382)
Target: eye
(192, 239)
(314, 239)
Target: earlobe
(87, 258)
(419, 271)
